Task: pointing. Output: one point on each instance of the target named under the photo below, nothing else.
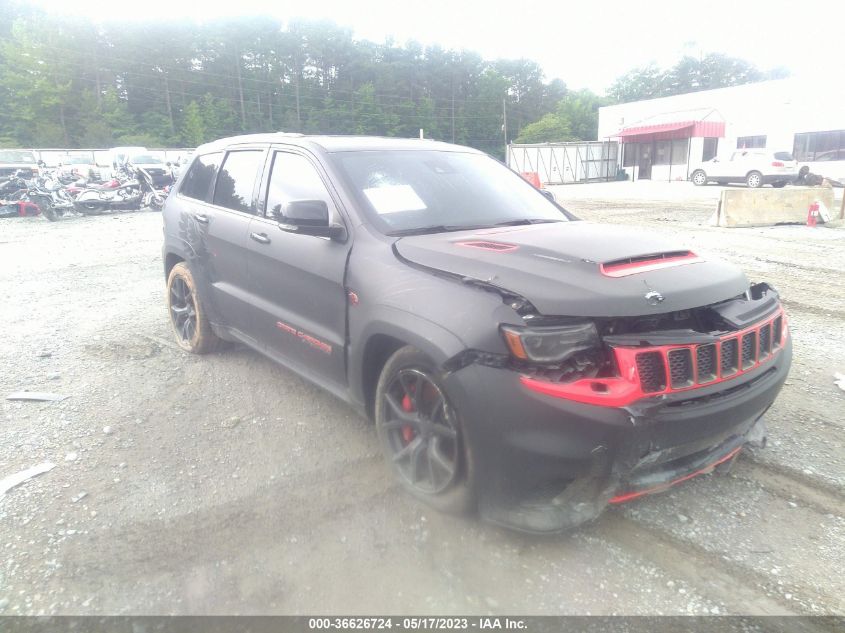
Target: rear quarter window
(783, 156)
(198, 179)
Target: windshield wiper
(438, 228)
(524, 221)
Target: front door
(297, 280)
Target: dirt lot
(225, 484)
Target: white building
(664, 138)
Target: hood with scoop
(579, 268)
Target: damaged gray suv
(516, 361)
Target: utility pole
(505, 121)
(453, 107)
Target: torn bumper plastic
(548, 464)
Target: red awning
(674, 130)
(654, 129)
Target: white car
(754, 167)
(79, 165)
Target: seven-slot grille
(675, 367)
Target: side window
(293, 177)
(236, 180)
(197, 182)
(711, 146)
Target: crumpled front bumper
(547, 464)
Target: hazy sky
(586, 43)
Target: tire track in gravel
(792, 485)
(729, 584)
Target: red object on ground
(812, 214)
(533, 177)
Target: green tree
(193, 126)
(581, 110)
(551, 128)
(688, 75)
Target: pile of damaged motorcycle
(55, 195)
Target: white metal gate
(565, 163)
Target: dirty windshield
(419, 191)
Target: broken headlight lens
(553, 344)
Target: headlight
(552, 344)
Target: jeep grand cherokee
(515, 360)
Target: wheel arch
(170, 260)
(381, 338)
(695, 173)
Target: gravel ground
(226, 484)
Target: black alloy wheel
(183, 310)
(187, 313)
(420, 432)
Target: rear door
(298, 280)
(220, 233)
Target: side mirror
(548, 194)
(308, 217)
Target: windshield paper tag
(394, 198)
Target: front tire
(754, 180)
(187, 313)
(699, 178)
(157, 202)
(421, 434)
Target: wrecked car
(516, 361)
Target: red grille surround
(645, 372)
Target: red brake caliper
(407, 430)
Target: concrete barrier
(765, 207)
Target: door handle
(261, 238)
(201, 218)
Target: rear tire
(45, 206)
(699, 178)
(90, 207)
(187, 313)
(421, 434)
(754, 180)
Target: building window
(751, 142)
(820, 146)
(680, 151)
(629, 153)
(662, 150)
(711, 148)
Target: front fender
(432, 339)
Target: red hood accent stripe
(632, 268)
(496, 247)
